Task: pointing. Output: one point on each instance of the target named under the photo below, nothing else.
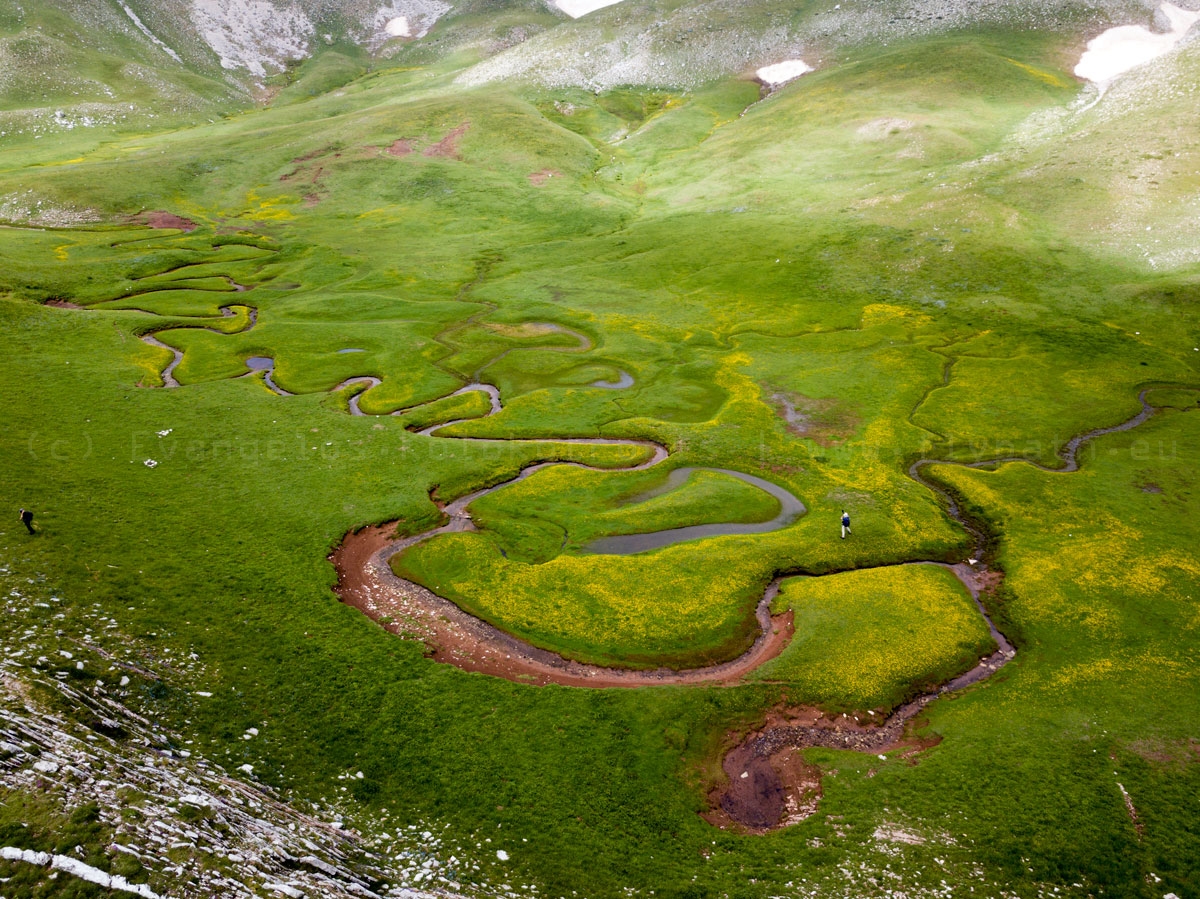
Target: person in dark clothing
(845, 523)
(27, 520)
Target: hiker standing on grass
(27, 520)
(845, 523)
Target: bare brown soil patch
(765, 792)
(537, 179)
(160, 219)
(825, 421)
(312, 174)
(447, 147)
(400, 147)
(916, 747)
(783, 468)
(62, 304)
(1175, 752)
(524, 330)
(313, 154)
(769, 784)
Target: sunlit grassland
(890, 115)
(1102, 585)
(870, 639)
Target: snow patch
(405, 18)
(1118, 50)
(150, 34)
(783, 72)
(577, 8)
(252, 34)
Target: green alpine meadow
(593, 449)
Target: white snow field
(405, 18)
(783, 72)
(578, 8)
(1118, 50)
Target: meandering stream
(755, 798)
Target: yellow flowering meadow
(873, 638)
(681, 607)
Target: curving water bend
(790, 509)
(366, 581)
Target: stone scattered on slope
(252, 34)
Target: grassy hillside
(931, 247)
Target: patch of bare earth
(1173, 752)
(62, 304)
(400, 147)
(768, 782)
(537, 179)
(313, 154)
(913, 747)
(310, 174)
(447, 147)
(824, 421)
(160, 219)
(782, 468)
(765, 791)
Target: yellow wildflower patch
(677, 606)
(877, 314)
(874, 637)
(270, 208)
(1040, 74)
